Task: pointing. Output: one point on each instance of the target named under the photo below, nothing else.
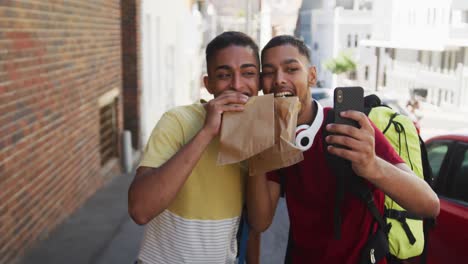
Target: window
(108, 127)
(366, 73)
(459, 185)
(436, 154)
(428, 20)
(349, 40)
(384, 76)
(352, 75)
(356, 40)
(464, 16)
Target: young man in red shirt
(310, 185)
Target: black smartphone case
(352, 98)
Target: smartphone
(348, 98)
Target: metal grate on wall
(108, 128)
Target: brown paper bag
(283, 153)
(245, 134)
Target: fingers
(344, 153)
(360, 117)
(232, 108)
(358, 143)
(361, 133)
(231, 98)
(227, 102)
(345, 141)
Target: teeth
(283, 94)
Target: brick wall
(56, 59)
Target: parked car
(323, 95)
(448, 157)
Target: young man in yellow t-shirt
(191, 207)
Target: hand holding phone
(348, 98)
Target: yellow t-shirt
(206, 212)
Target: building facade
(172, 57)
(334, 29)
(61, 111)
(421, 46)
(334, 32)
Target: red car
(448, 157)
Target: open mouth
(283, 94)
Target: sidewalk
(99, 232)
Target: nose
(236, 83)
(279, 79)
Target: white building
(332, 30)
(421, 44)
(172, 56)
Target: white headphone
(305, 134)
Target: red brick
(56, 59)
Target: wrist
(206, 135)
(375, 170)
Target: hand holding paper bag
(249, 132)
(284, 153)
(263, 133)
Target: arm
(253, 247)
(262, 199)
(398, 182)
(153, 189)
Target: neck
(307, 113)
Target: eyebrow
(286, 61)
(223, 67)
(243, 66)
(248, 65)
(289, 61)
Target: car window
(459, 186)
(319, 96)
(436, 153)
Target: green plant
(342, 64)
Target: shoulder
(186, 113)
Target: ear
(312, 76)
(206, 81)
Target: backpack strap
(340, 167)
(427, 171)
(345, 176)
(360, 189)
(401, 217)
(242, 237)
(428, 223)
(390, 121)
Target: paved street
(437, 121)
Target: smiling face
(286, 72)
(233, 68)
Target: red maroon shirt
(310, 195)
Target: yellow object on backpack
(403, 136)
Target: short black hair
(288, 40)
(230, 38)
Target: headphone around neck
(305, 134)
